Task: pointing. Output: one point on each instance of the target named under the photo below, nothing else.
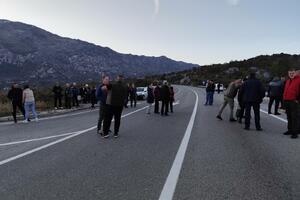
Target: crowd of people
(250, 93)
(114, 96)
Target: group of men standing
(251, 93)
(165, 95)
(73, 95)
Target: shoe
(232, 120)
(166, 114)
(270, 113)
(36, 120)
(25, 121)
(287, 133)
(294, 136)
(277, 113)
(116, 135)
(219, 117)
(259, 129)
(247, 128)
(240, 121)
(99, 132)
(105, 136)
(55, 108)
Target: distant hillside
(266, 67)
(28, 53)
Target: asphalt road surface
(187, 155)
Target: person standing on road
(241, 113)
(283, 81)
(132, 95)
(229, 96)
(75, 93)
(253, 94)
(172, 98)
(165, 99)
(93, 97)
(57, 91)
(274, 93)
(101, 97)
(15, 94)
(150, 98)
(29, 103)
(210, 90)
(116, 95)
(292, 104)
(68, 96)
(157, 97)
(219, 88)
(127, 97)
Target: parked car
(221, 88)
(141, 93)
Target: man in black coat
(15, 94)
(116, 95)
(57, 91)
(165, 98)
(253, 94)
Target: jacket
(231, 91)
(210, 87)
(275, 89)
(15, 95)
(57, 90)
(117, 94)
(150, 96)
(165, 93)
(101, 94)
(292, 89)
(253, 91)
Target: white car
(221, 87)
(141, 93)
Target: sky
(196, 31)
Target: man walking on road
(229, 96)
(15, 94)
(101, 97)
(116, 96)
(253, 94)
(291, 98)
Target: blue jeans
(209, 98)
(30, 106)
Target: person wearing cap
(291, 100)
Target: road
(187, 155)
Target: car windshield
(140, 89)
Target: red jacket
(292, 89)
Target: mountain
(31, 54)
(265, 66)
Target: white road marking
(36, 139)
(58, 141)
(171, 182)
(69, 136)
(276, 117)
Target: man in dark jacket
(253, 94)
(292, 105)
(75, 93)
(57, 91)
(116, 96)
(68, 96)
(275, 94)
(210, 90)
(101, 97)
(165, 98)
(15, 94)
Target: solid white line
(36, 139)
(171, 182)
(58, 141)
(276, 117)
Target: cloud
(233, 2)
(156, 7)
